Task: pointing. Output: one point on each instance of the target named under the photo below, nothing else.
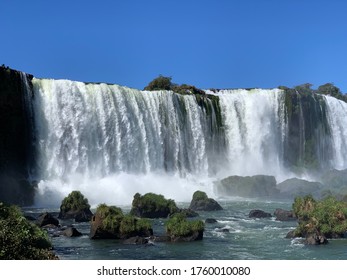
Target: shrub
(20, 239)
(131, 226)
(187, 89)
(74, 201)
(178, 225)
(327, 216)
(119, 225)
(111, 217)
(199, 195)
(152, 205)
(160, 83)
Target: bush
(164, 83)
(74, 201)
(187, 89)
(130, 226)
(111, 217)
(160, 83)
(199, 195)
(120, 225)
(327, 216)
(178, 225)
(152, 205)
(20, 239)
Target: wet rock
(259, 214)
(201, 202)
(284, 215)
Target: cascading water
(110, 141)
(255, 128)
(337, 118)
(103, 134)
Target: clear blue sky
(207, 43)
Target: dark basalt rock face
(16, 138)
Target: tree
(21, 239)
(160, 83)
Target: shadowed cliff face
(15, 138)
(308, 142)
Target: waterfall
(255, 128)
(337, 118)
(111, 141)
(92, 132)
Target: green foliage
(20, 239)
(330, 89)
(130, 225)
(115, 222)
(187, 89)
(178, 225)
(327, 216)
(111, 215)
(199, 195)
(164, 83)
(74, 201)
(151, 202)
(160, 83)
(304, 88)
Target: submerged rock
(210, 221)
(136, 240)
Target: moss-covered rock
(178, 228)
(109, 222)
(201, 202)
(152, 205)
(21, 239)
(75, 206)
(327, 217)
